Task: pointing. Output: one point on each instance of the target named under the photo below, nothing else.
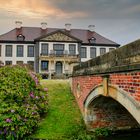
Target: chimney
(43, 25)
(68, 26)
(18, 24)
(91, 28)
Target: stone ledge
(126, 58)
(105, 71)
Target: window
(30, 51)
(44, 65)
(19, 62)
(72, 49)
(8, 51)
(92, 40)
(58, 67)
(44, 49)
(8, 62)
(20, 37)
(92, 52)
(102, 51)
(31, 64)
(111, 49)
(83, 52)
(0, 50)
(59, 49)
(19, 50)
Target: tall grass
(64, 120)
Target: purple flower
(34, 78)
(32, 94)
(36, 97)
(36, 81)
(0, 132)
(5, 131)
(12, 111)
(25, 120)
(33, 113)
(45, 89)
(8, 120)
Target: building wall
(36, 66)
(50, 46)
(51, 68)
(66, 66)
(14, 58)
(97, 51)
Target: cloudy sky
(118, 20)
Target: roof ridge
(7, 32)
(31, 33)
(107, 38)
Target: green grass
(63, 120)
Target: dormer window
(20, 37)
(92, 40)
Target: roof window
(20, 37)
(92, 40)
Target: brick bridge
(107, 88)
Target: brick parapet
(129, 82)
(81, 87)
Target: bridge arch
(115, 96)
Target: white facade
(14, 57)
(25, 58)
(97, 51)
(66, 67)
(52, 52)
(50, 46)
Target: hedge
(22, 102)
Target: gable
(59, 36)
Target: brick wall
(130, 82)
(121, 67)
(111, 114)
(81, 87)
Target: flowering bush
(22, 101)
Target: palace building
(52, 51)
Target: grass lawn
(63, 120)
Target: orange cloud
(36, 9)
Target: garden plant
(22, 102)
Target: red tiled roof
(31, 33)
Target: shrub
(22, 101)
(102, 132)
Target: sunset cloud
(36, 9)
(117, 19)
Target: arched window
(20, 37)
(92, 40)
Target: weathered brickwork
(115, 75)
(108, 112)
(82, 86)
(111, 114)
(130, 82)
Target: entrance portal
(59, 68)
